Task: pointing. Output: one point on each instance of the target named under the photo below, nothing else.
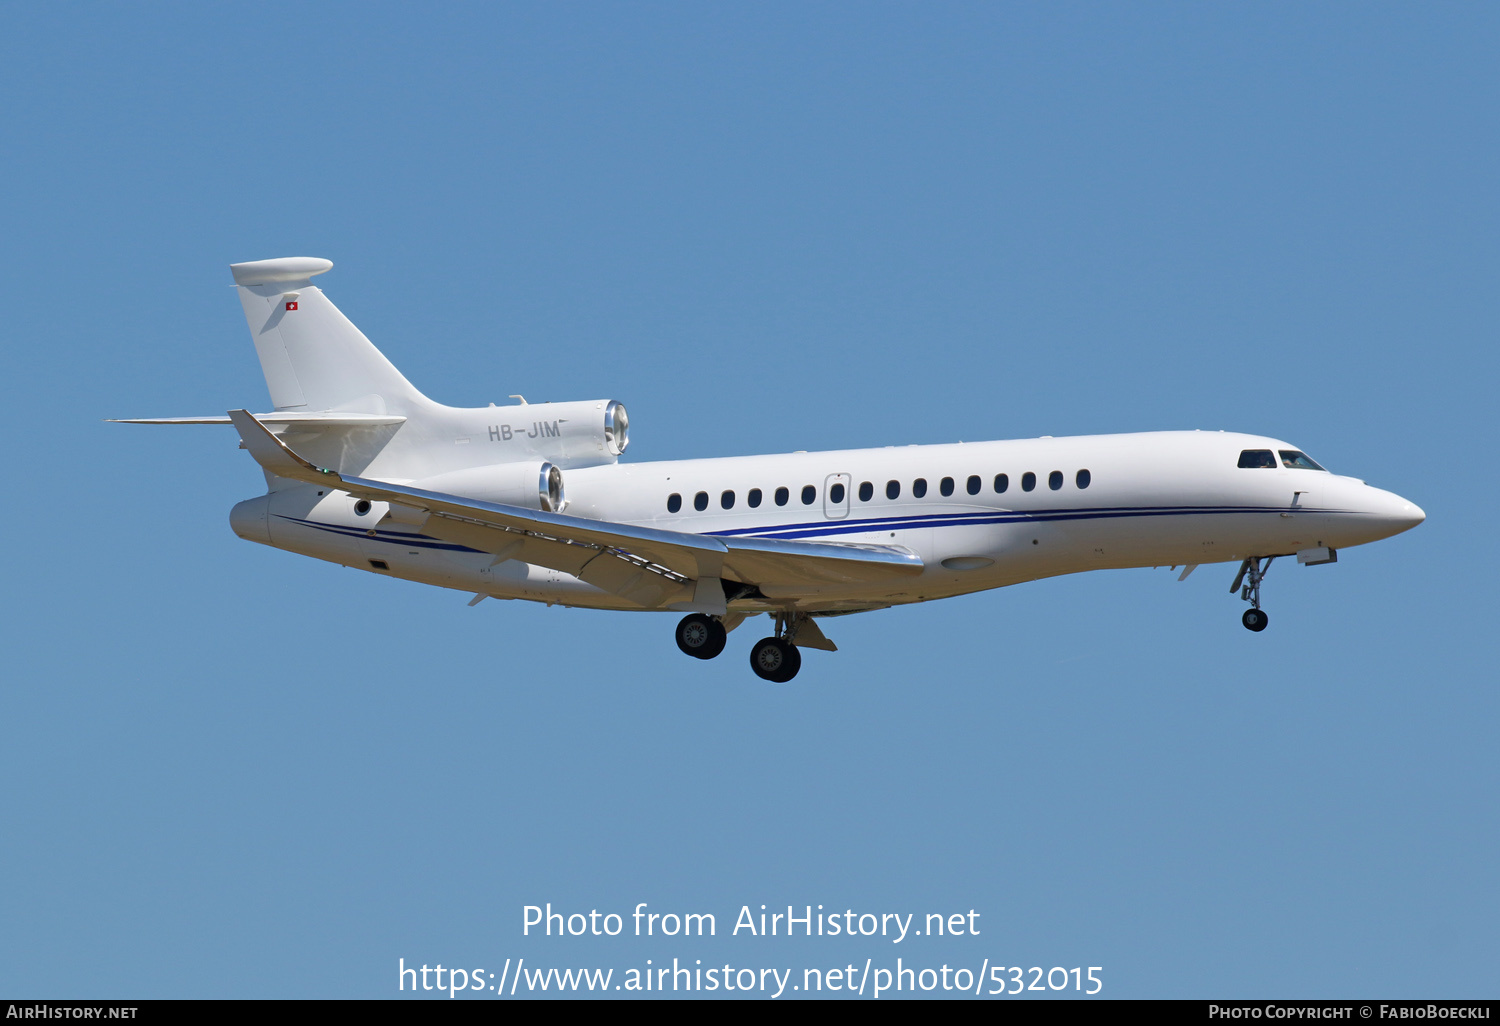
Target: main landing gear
(775, 658)
(1247, 583)
(700, 636)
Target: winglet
(272, 453)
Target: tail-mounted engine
(534, 484)
(581, 434)
(522, 450)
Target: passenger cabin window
(866, 491)
(1028, 481)
(946, 486)
(1002, 482)
(809, 495)
(752, 497)
(782, 495)
(1054, 480)
(700, 501)
(973, 484)
(919, 487)
(1252, 458)
(893, 489)
(836, 494)
(1083, 479)
(674, 502)
(727, 500)
(1298, 460)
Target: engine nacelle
(576, 434)
(535, 484)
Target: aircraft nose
(1394, 512)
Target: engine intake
(616, 428)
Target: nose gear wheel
(1247, 583)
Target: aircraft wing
(654, 568)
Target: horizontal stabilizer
(571, 544)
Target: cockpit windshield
(1295, 460)
(1266, 459)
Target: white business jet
(530, 501)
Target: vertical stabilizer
(313, 357)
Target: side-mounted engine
(534, 484)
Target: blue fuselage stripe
(984, 517)
(420, 541)
(831, 528)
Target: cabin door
(836, 496)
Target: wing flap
(556, 555)
(614, 573)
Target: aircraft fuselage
(979, 515)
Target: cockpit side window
(1251, 458)
(1298, 460)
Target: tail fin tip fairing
(282, 269)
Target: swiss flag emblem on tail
(291, 304)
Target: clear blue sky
(230, 771)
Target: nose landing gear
(1247, 583)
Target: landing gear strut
(1247, 583)
(776, 659)
(701, 637)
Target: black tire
(793, 663)
(701, 637)
(774, 660)
(1255, 620)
